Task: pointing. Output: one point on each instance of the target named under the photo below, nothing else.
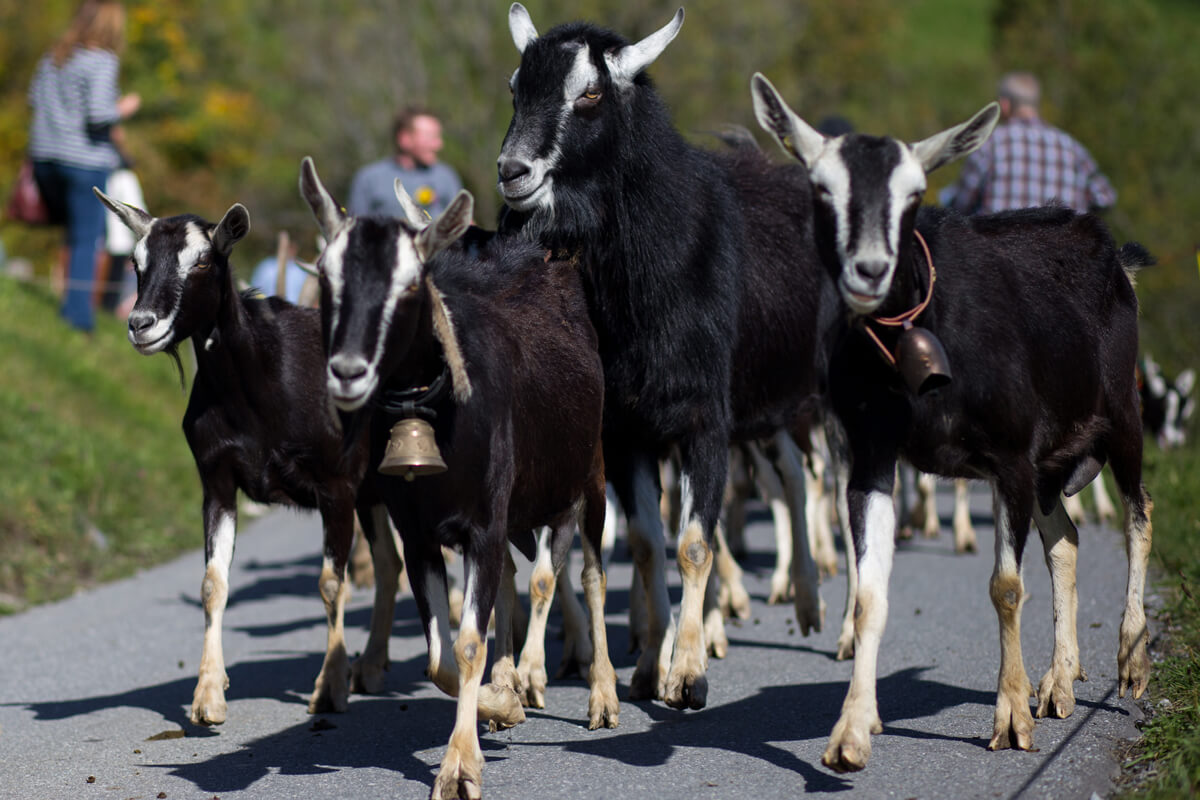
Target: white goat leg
(964, 531)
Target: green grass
(1166, 763)
(96, 479)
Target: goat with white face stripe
(519, 431)
(181, 293)
(1038, 319)
(702, 284)
(256, 421)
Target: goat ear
(624, 64)
(795, 135)
(445, 230)
(329, 215)
(520, 25)
(1185, 382)
(134, 218)
(412, 212)
(231, 229)
(956, 142)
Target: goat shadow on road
(374, 734)
(285, 679)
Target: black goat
(693, 266)
(1167, 405)
(257, 420)
(520, 429)
(1038, 318)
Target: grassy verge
(1166, 763)
(96, 479)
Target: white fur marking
(222, 546)
(880, 530)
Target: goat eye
(202, 265)
(589, 99)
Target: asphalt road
(86, 686)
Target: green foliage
(91, 442)
(1170, 749)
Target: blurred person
(266, 273)
(1027, 162)
(417, 137)
(118, 279)
(76, 108)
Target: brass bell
(412, 450)
(921, 360)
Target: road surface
(95, 691)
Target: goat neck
(420, 360)
(911, 283)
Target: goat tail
(1132, 257)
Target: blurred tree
(236, 92)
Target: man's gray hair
(1021, 88)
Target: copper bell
(921, 360)
(412, 450)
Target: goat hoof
(533, 694)
(810, 615)
(643, 685)
(846, 756)
(1133, 668)
(1013, 728)
(692, 692)
(500, 706)
(367, 678)
(778, 597)
(603, 708)
(457, 780)
(326, 702)
(1055, 697)
(208, 706)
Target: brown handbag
(26, 203)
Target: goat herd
(644, 297)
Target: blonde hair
(97, 24)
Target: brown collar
(905, 320)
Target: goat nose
(872, 269)
(140, 321)
(347, 368)
(512, 168)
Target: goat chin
(350, 401)
(152, 347)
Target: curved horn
(330, 217)
(134, 218)
(626, 63)
(412, 212)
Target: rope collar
(417, 401)
(905, 320)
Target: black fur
(524, 450)
(1039, 322)
(696, 267)
(257, 419)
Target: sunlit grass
(95, 476)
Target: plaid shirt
(1029, 163)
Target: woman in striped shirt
(76, 109)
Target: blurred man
(417, 136)
(1028, 162)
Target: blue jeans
(68, 194)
